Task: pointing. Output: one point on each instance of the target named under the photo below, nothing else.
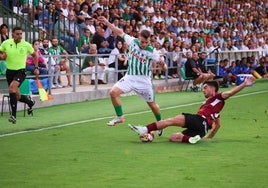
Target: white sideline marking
(102, 118)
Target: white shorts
(141, 85)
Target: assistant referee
(15, 50)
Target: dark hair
(213, 83)
(145, 33)
(34, 41)
(3, 25)
(16, 29)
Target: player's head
(144, 38)
(17, 34)
(210, 87)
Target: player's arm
(35, 60)
(163, 65)
(3, 55)
(215, 127)
(248, 81)
(115, 29)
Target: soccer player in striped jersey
(141, 56)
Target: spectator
(176, 57)
(9, 4)
(83, 14)
(262, 69)
(118, 59)
(70, 8)
(192, 70)
(247, 66)
(84, 42)
(64, 8)
(3, 32)
(148, 26)
(158, 73)
(108, 31)
(90, 68)
(173, 27)
(157, 17)
(61, 32)
(42, 65)
(101, 41)
(58, 9)
(58, 51)
(54, 69)
(73, 32)
(29, 7)
(47, 19)
(89, 23)
(89, 3)
(126, 15)
(98, 5)
(77, 10)
(233, 71)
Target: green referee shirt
(16, 53)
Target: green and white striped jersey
(139, 60)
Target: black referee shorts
(18, 75)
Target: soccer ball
(148, 137)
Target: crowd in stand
(177, 27)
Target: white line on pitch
(103, 118)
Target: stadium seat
(184, 79)
(24, 90)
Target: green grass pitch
(70, 146)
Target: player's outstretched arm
(115, 29)
(248, 81)
(215, 127)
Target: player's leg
(196, 127)
(115, 93)
(156, 111)
(124, 85)
(180, 137)
(178, 120)
(20, 77)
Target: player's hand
(163, 65)
(3, 55)
(249, 80)
(36, 72)
(102, 19)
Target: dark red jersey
(211, 108)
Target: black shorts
(195, 125)
(18, 75)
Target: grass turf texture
(91, 154)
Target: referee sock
(13, 103)
(25, 99)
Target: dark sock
(151, 127)
(26, 100)
(185, 139)
(118, 110)
(13, 103)
(157, 117)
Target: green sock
(157, 117)
(118, 110)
